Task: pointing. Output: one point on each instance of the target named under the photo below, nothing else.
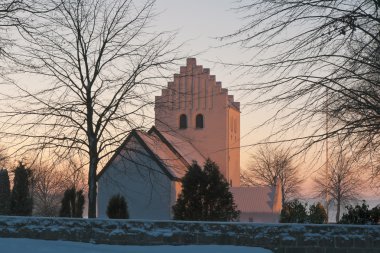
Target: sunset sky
(199, 23)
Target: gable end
(143, 144)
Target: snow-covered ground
(11, 245)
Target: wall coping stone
(277, 237)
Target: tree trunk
(337, 211)
(92, 187)
(93, 152)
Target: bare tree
(309, 55)
(271, 164)
(9, 10)
(50, 181)
(341, 183)
(98, 63)
(74, 173)
(48, 185)
(3, 158)
(15, 14)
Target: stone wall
(282, 238)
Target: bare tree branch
(99, 61)
(309, 55)
(271, 164)
(341, 183)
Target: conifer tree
(205, 196)
(21, 200)
(375, 215)
(5, 193)
(219, 203)
(117, 208)
(293, 212)
(189, 202)
(79, 204)
(360, 214)
(66, 210)
(72, 203)
(317, 214)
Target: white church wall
(137, 177)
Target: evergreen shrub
(117, 208)
(72, 203)
(205, 196)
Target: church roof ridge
(136, 133)
(170, 146)
(178, 149)
(153, 153)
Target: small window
(199, 121)
(182, 121)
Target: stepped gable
(193, 88)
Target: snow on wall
(278, 237)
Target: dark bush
(117, 208)
(72, 204)
(205, 195)
(317, 214)
(5, 193)
(293, 212)
(358, 214)
(21, 200)
(375, 215)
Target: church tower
(197, 108)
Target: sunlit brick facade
(196, 107)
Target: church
(195, 119)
